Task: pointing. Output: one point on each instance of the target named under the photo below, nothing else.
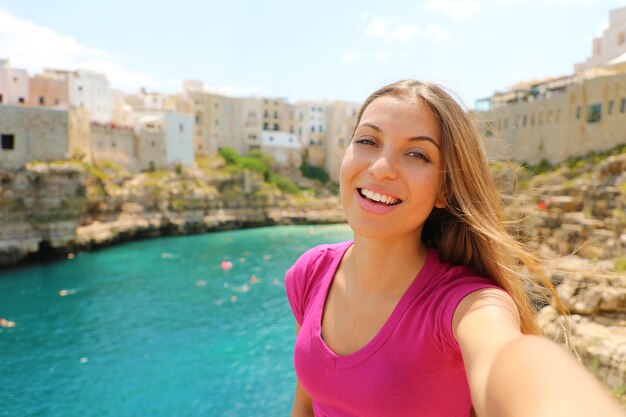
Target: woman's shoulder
(322, 254)
(455, 280)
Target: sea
(175, 326)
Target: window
(610, 109)
(549, 117)
(80, 88)
(321, 129)
(275, 115)
(198, 118)
(558, 115)
(0, 98)
(265, 114)
(578, 112)
(265, 126)
(594, 113)
(622, 107)
(312, 129)
(525, 120)
(276, 126)
(41, 100)
(540, 118)
(20, 100)
(620, 38)
(7, 141)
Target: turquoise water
(156, 328)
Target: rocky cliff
(58, 208)
(576, 214)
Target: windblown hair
(470, 230)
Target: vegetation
(258, 162)
(313, 172)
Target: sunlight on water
(179, 326)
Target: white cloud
(588, 3)
(365, 15)
(351, 56)
(33, 47)
(458, 10)
(235, 90)
(380, 56)
(437, 32)
(392, 31)
(378, 28)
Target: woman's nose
(383, 167)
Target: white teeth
(378, 197)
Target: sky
(304, 50)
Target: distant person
(425, 312)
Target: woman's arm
(512, 375)
(302, 404)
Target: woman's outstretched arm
(512, 375)
(302, 404)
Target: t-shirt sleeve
(451, 293)
(296, 283)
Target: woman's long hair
(470, 230)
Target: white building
(82, 89)
(284, 147)
(609, 49)
(13, 84)
(90, 90)
(165, 139)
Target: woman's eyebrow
(428, 138)
(373, 126)
(415, 138)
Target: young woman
(425, 312)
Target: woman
(425, 312)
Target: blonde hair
(470, 230)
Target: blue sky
(304, 50)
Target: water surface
(156, 328)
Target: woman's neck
(383, 266)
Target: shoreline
(124, 229)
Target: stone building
(340, 120)
(311, 122)
(40, 134)
(557, 118)
(218, 120)
(113, 143)
(252, 112)
(13, 84)
(164, 140)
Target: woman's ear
(440, 202)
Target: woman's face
(390, 175)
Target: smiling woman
(425, 312)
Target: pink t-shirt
(412, 367)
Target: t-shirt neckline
(360, 355)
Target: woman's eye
(365, 141)
(418, 155)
